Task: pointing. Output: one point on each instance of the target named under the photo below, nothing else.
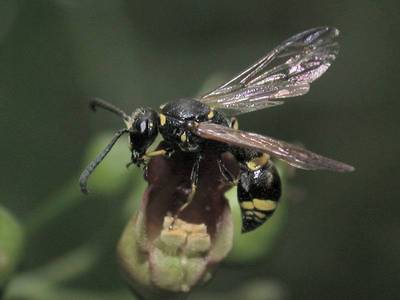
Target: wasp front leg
(167, 152)
(143, 159)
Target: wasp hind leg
(259, 189)
(226, 173)
(194, 177)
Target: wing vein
(284, 72)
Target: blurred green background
(341, 238)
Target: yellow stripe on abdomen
(264, 205)
(247, 205)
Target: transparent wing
(286, 71)
(294, 155)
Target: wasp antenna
(93, 164)
(96, 102)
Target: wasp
(193, 125)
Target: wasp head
(143, 129)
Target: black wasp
(191, 125)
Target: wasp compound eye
(143, 126)
(144, 129)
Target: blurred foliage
(11, 245)
(335, 238)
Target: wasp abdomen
(259, 189)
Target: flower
(168, 250)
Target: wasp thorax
(143, 129)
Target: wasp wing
(286, 71)
(294, 155)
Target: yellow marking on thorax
(264, 205)
(183, 137)
(234, 123)
(210, 114)
(163, 119)
(258, 162)
(247, 205)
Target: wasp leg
(160, 152)
(226, 173)
(143, 160)
(194, 177)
